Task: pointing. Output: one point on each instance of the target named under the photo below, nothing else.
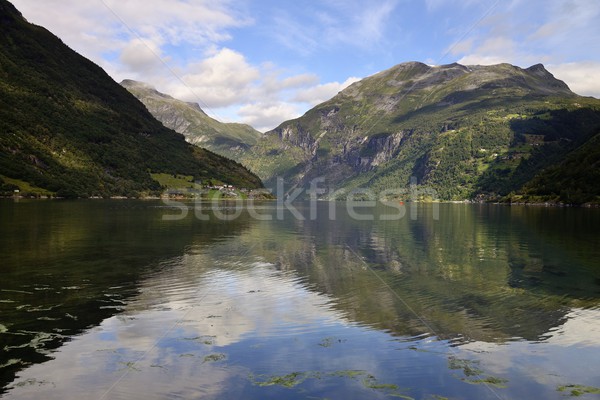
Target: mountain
(227, 139)
(467, 132)
(66, 128)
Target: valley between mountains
(454, 132)
(486, 133)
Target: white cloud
(141, 56)
(323, 92)
(131, 39)
(359, 24)
(264, 116)
(464, 46)
(497, 45)
(561, 35)
(263, 96)
(94, 27)
(354, 23)
(299, 81)
(475, 59)
(274, 84)
(221, 80)
(582, 77)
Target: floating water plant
(473, 374)
(294, 379)
(215, 357)
(578, 390)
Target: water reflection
(67, 266)
(463, 275)
(487, 302)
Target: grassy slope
(227, 139)
(464, 131)
(67, 127)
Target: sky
(263, 62)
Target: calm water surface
(108, 300)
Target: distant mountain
(67, 128)
(227, 139)
(469, 132)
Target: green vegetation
(480, 132)
(9, 185)
(468, 367)
(173, 181)
(489, 380)
(287, 381)
(226, 139)
(473, 374)
(294, 379)
(575, 179)
(215, 357)
(67, 128)
(578, 390)
(129, 365)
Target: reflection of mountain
(481, 273)
(202, 307)
(68, 266)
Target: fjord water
(111, 300)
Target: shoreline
(183, 198)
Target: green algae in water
(467, 366)
(347, 373)
(34, 382)
(288, 381)
(371, 382)
(205, 339)
(293, 379)
(578, 390)
(489, 380)
(129, 365)
(471, 370)
(214, 357)
(330, 341)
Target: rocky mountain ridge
(187, 118)
(466, 132)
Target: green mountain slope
(227, 139)
(463, 131)
(67, 128)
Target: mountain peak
(418, 79)
(130, 83)
(143, 89)
(538, 68)
(541, 72)
(190, 120)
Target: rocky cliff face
(464, 131)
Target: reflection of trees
(481, 272)
(486, 273)
(69, 265)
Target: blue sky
(263, 61)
